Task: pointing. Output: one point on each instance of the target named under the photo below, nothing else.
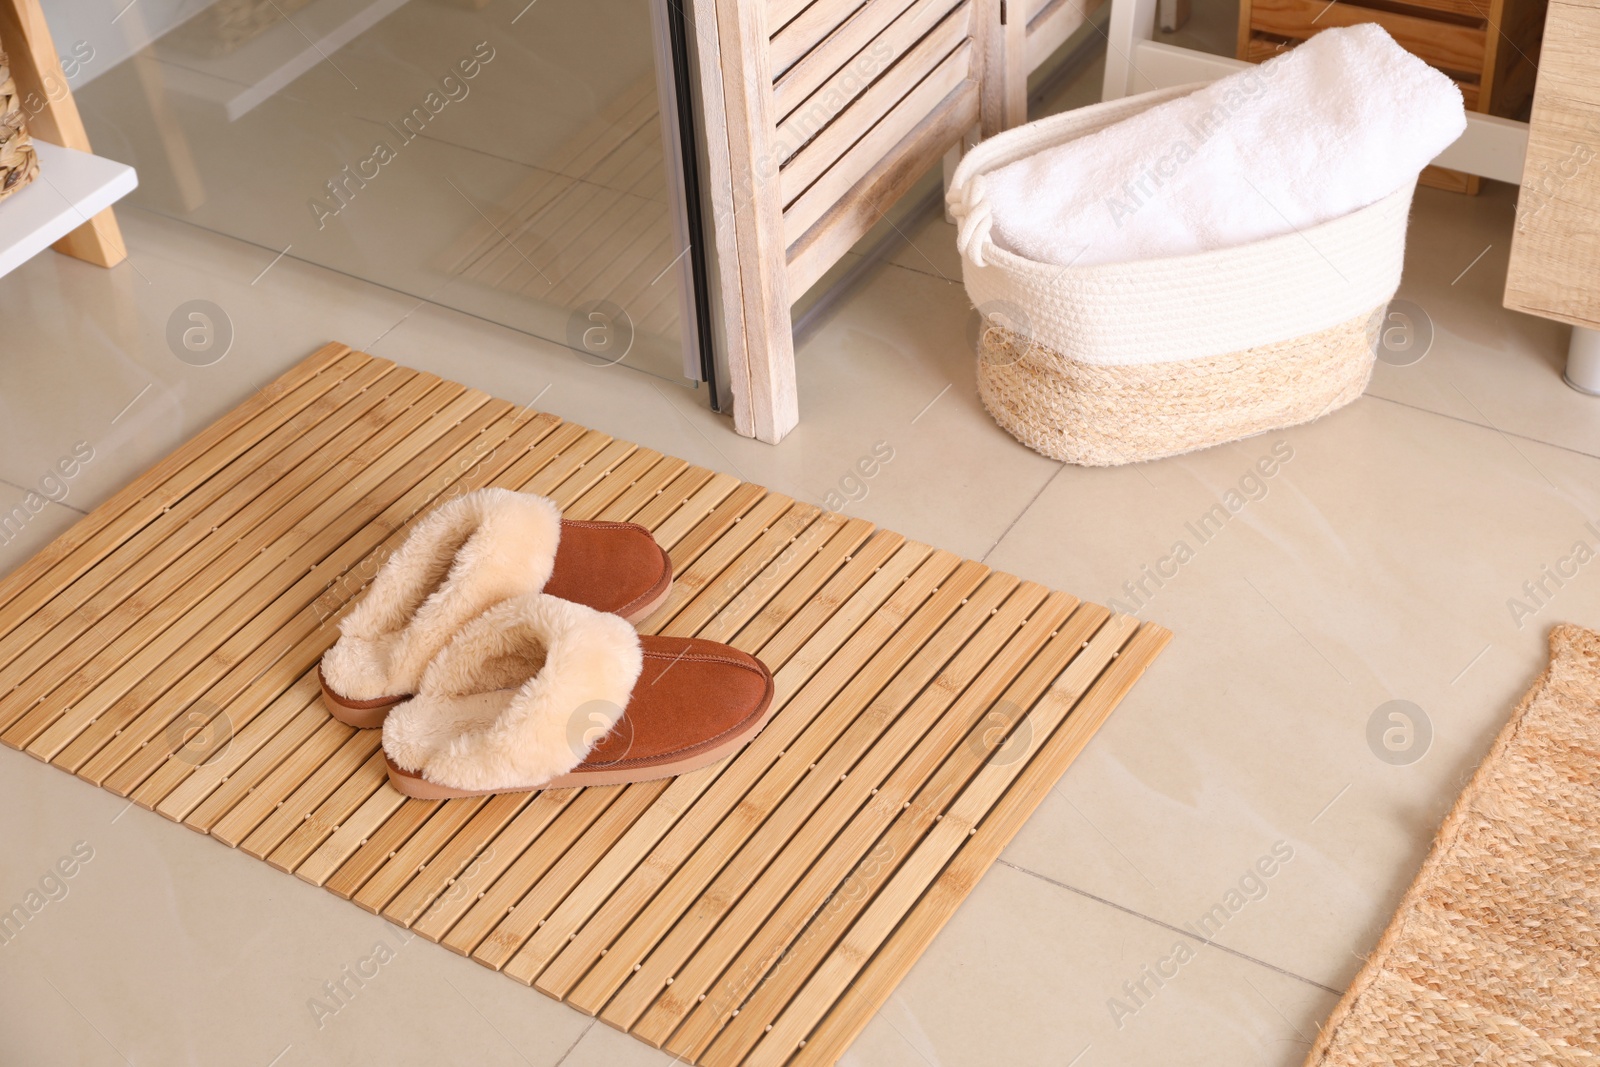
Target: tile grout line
(1048, 482)
(570, 1048)
(25, 489)
(1167, 926)
(1483, 426)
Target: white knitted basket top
(1180, 307)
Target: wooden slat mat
(757, 911)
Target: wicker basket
(1122, 362)
(19, 163)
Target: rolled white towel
(1333, 125)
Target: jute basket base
(1099, 416)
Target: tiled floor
(1377, 564)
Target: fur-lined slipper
(539, 693)
(467, 555)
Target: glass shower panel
(506, 158)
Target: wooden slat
(87, 541)
(174, 525)
(951, 666)
(356, 759)
(785, 597)
(1453, 47)
(897, 169)
(842, 66)
(781, 12)
(85, 648)
(349, 835)
(650, 509)
(829, 146)
(457, 856)
(412, 859)
(526, 868)
(757, 588)
(845, 872)
(947, 825)
(708, 600)
(1051, 25)
(259, 749)
(806, 207)
(713, 558)
(856, 1007)
(494, 858)
(379, 846)
(319, 824)
(1555, 244)
(338, 580)
(810, 768)
(705, 502)
(265, 796)
(576, 862)
(704, 521)
(345, 509)
(828, 662)
(807, 30)
(167, 648)
(627, 473)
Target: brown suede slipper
(695, 702)
(614, 567)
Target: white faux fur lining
(467, 555)
(519, 697)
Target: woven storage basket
(1121, 362)
(19, 164)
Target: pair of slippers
(497, 651)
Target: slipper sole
(414, 785)
(362, 714)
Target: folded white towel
(1333, 125)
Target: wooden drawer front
(1467, 10)
(867, 144)
(1447, 45)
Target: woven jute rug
(1494, 954)
(757, 911)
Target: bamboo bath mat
(758, 911)
(1490, 958)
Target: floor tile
(168, 949)
(1375, 564)
(1028, 972)
(891, 377)
(1486, 365)
(100, 364)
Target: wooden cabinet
(1555, 246)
